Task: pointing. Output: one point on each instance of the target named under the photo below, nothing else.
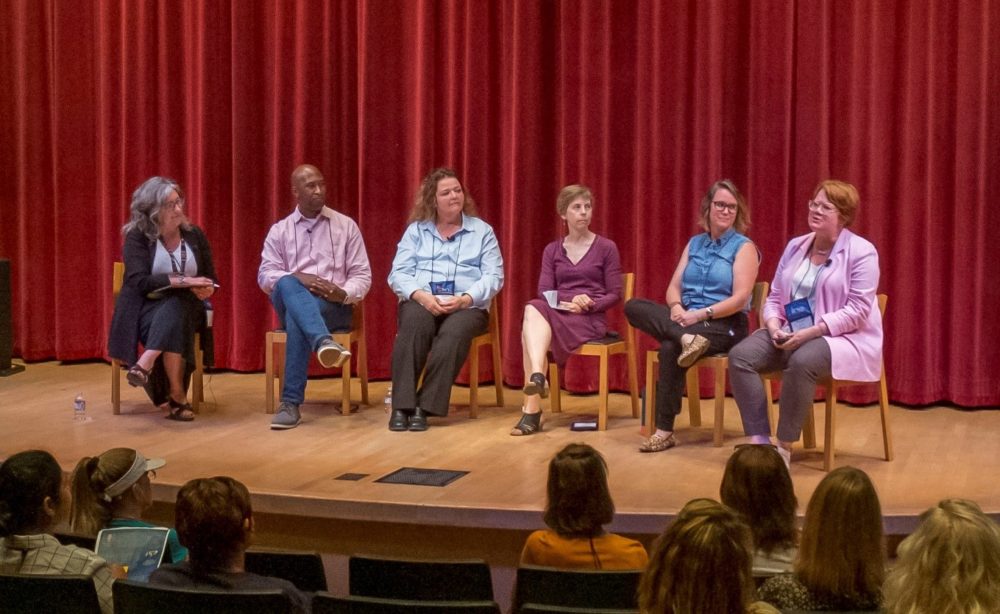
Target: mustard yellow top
(609, 551)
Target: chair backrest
(133, 596)
(577, 588)
(760, 291)
(303, 569)
(420, 580)
(117, 278)
(28, 594)
(325, 603)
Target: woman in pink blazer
(822, 319)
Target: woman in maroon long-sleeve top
(581, 279)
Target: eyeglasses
(824, 208)
(721, 206)
(170, 204)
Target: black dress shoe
(399, 420)
(418, 421)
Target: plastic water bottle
(209, 312)
(388, 399)
(79, 409)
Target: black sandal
(536, 384)
(137, 376)
(180, 412)
(529, 424)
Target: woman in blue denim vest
(707, 302)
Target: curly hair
(949, 565)
(757, 485)
(701, 564)
(425, 203)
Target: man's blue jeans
(307, 320)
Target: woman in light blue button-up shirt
(446, 272)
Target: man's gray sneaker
(331, 354)
(287, 417)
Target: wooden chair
(491, 338)
(576, 588)
(605, 349)
(809, 429)
(303, 569)
(197, 385)
(28, 594)
(325, 603)
(387, 578)
(719, 362)
(132, 596)
(274, 361)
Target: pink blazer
(845, 299)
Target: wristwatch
(710, 313)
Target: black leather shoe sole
(418, 421)
(399, 421)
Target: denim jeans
(307, 320)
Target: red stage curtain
(646, 101)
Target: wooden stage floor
(940, 452)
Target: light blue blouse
(471, 259)
(708, 276)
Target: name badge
(443, 288)
(799, 314)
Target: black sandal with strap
(137, 376)
(180, 412)
(529, 424)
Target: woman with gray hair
(168, 276)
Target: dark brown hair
(579, 502)
(26, 479)
(211, 516)
(425, 205)
(842, 550)
(756, 485)
(701, 564)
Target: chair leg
(602, 415)
(269, 373)
(809, 429)
(648, 425)
(116, 386)
(883, 403)
(831, 426)
(720, 401)
(497, 372)
(197, 384)
(363, 369)
(474, 382)
(694, 396)
(633, 380)
(555, 390)
(345, 387)
(772, 413)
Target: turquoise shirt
(175, 551)
(708, 276)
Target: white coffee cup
(552, 297)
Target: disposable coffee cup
(552, 297)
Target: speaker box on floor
(6, 324)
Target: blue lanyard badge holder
(799, 315)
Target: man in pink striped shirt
(314, 267)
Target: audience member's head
(31, 496)
(757, 485)
(114, 484)
(842, 550)
(214, 521)
(579, 501)
(951, 563)
(701, 564)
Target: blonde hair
(701, 564)
(842, 547)
(90, 511)
(425, 203)
(949, 565)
